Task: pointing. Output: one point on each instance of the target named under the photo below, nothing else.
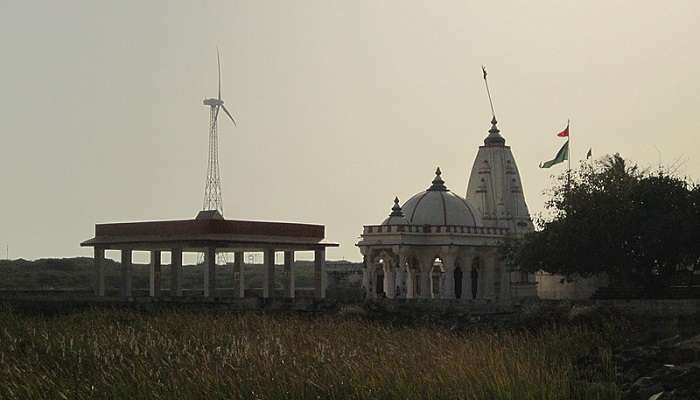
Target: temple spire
(494, 137)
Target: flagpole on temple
(488, 92)
(568, 126)
(568, 173)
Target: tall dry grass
(169, 355)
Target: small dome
(397, 216)
(439, 206)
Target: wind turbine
(212, 188)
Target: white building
(441, 245)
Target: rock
(581, 312)
(687, 351)
(352, 310)
(643, 388)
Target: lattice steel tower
(212, 187)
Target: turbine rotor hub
(213, 102)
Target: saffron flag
(562, 155)
(565, 132)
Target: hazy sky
(341, 104)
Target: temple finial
(396, 209)
(438, 184)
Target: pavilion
(209, 233)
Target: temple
(439, 245)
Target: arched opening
(475, 277)
(436, 278)
(379, 280)
(458, 282)
(379, 284)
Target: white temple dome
(439, 206)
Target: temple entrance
(379, 285)
(458, 282)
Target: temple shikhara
(440, 245)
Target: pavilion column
(154, 275)
(99, 271)
(239, 268)
(210, 272)
(290, 287)
(126, 273)
(319, 273)
(269, 273)
(175, 272)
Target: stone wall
(551, 287)
(654, 307)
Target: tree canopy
(609, 216)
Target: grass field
(171, 354)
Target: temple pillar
(448, 288)
(389, 279)
(467, 293)
(410, 283)
(239, 271)
(210, 272)
(290, 285)
(504, 293)
(369, 278)
(487, 282)
(366, 279)
(319, 273)
(175, 272)
(99, 260)
(269, 273)
(426, 281)
(426, 292)
(154, 274)
(126, 273)
(398, 283)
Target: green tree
(610, 216)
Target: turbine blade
(218, 63)
(216, 114)
(229, 115)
